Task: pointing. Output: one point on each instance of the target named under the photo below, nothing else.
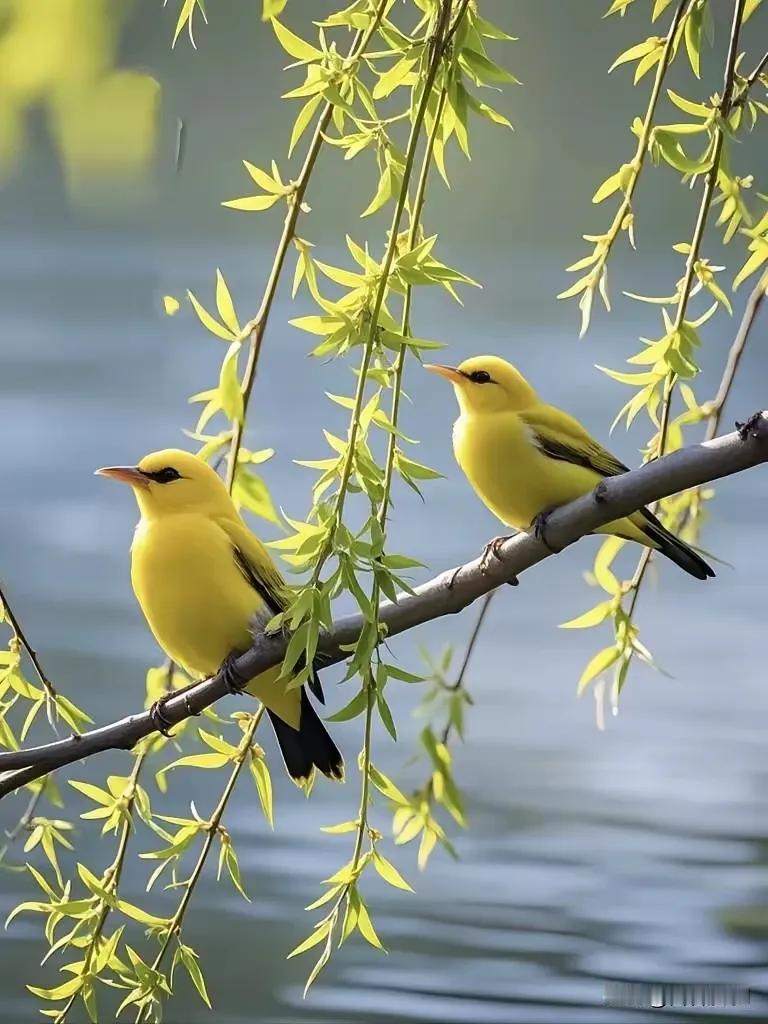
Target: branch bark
(448, 593)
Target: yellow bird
(524, 458)
(204, 582)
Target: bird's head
(487, 384)
(171, 481)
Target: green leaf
(293, 44)
(188, 958)
(251, 492)
(365, 926)
(389, 873)
(693, 27)
(484, 70)
(351, 710)
(636, 52)
(593, 617)
(314, 939)
(230, 393)
(264, 180)
(271, 8)
(263, 781)
(302, 120)
(225, 305)
(212, 760)
(597, 664)
(343, 827)
(251, 204)
(208, 321)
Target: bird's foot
(492, 550)
(233, 680)
(539, 529)
(158, 717)
(750, 427)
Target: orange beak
(449, 372)
(131, 475)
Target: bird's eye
(164, 476)
(480, 377)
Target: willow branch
(446, 594)
(752, 308)
(26, 646)
(636, 164)
(212, 830)
(258, 325)
(110, 885)
(705, 205)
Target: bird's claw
(539, 528)
(493, 550)
(750, 427)
(233, 680)
(159, 719)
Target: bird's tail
(308, 747)
(675, 549)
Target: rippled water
(590, 855)
(628, 854)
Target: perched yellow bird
(204, 582)
(524, 458)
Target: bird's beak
(449, 372)
(126, 474)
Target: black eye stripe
(480, 377)
(163, 476)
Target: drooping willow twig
(684, 294)
(211, 831)
(257, 327)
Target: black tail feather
(308, 747)
(677, 550)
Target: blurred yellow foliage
(59, 55)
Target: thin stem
(24, 821)
(259, 322)
(749, 81)
(753, 76)
(381, 290)
(458, 683)
(714, 409)
(690, 265)
(174, 928)
(439, 46)
(111, 882)
(462, 10)
(21, 637)
(636, 164)
(416, 211)
(752, 308)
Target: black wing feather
(276, 603)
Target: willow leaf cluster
(430, 57)
(699, 143)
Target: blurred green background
(589, 855)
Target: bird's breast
(195, 599)
(504, 466)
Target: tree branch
(445, 594)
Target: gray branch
(445, 594)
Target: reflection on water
(590, 856)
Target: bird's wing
(255, 563)
(560, 436)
